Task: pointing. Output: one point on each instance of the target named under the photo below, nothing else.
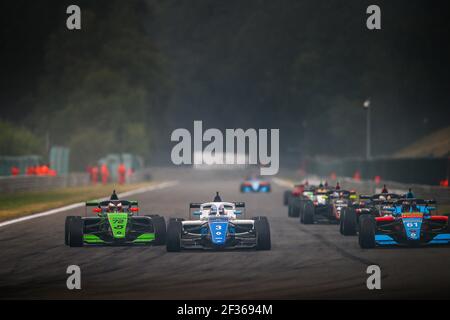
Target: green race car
(117, 222)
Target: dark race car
(116, 222)
(318, 205)
(409, 223)
(375, 205)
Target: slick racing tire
(367, 226)
(290, 210)
(159, 227)
(308, 213)
(301, 206)
(66, 230)
(348, 221)
(296, 208)
(262, 229)
(286, 195)
(173, 239)
(341, 221)
(76, 232)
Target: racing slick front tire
(159, 227)
(173, 240)
(367, 226)
(75, 232)
(308, 213)
(262, 229)
(290, 210)
(66, 230)
(348, 220)
(286, 195)
(296, 208)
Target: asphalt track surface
(310, 262)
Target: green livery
(118, 223)
(114, 222)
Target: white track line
(158, 186)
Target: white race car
(218, 227)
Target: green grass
(20, 204)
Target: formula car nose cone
(412, 227)
(255, 185)
(218, 228)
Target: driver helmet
(111, 207)
(221, 210)
(383, 198)
(213, 210)
(119, 207)
(410, 194)
(406, 206)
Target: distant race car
(218, 227)
(318, 204)
(376, 205)
(116, 223)
(297, 198)
(410, 223)
(255, 184)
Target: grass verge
(21, 204)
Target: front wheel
(349, 222)
(286, 197)
(173, 240)
(262, 229)
(367, 226)
(308, 213)
(76, 227)
(66, 230)
(159, 227)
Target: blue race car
(410, 223)
(254, 184)
(219, 226)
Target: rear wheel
(349, 222)
(367, 226)
(173, 240)
(308, 213)
(76, 232)
(262, 229)
(159, 227)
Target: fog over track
(312, 261)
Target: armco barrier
(39, 183)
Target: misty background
(140, 69)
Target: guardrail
(38, 183)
